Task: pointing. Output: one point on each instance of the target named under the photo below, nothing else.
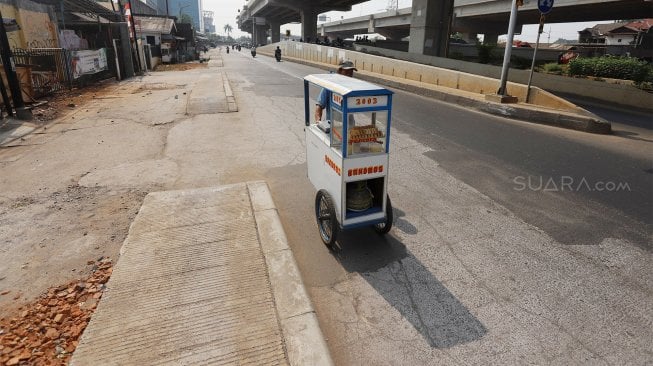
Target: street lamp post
(502, 94)
(506, 55)
(182, 7)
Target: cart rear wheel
(384, 227)
(325, 214)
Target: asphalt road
(484, 264)
(580, 188)
(560, 181)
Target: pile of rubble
(47, 331)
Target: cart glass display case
(356, 101)
(347, 152)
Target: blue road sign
(545, 6)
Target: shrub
(552, 68)
(625, 68)
(520, 62)
(485, 55)
(457, 55)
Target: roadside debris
(47, 331)
(53, 106)
(181, 67)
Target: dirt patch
(47, 331)
(48, 239)
(182, 67)
(158, 86)
(53, 106)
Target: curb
(231, 99)
(304, 341)
(586, 123)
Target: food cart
(347, 154)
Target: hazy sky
(225, 12)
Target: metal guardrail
(43, 71)
(47, 69)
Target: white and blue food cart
(348, 154)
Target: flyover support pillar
(254, 40)
(471, 38)
(275, 32)
(490, 38)
(430, 27)
(309, 24)
(261, 35)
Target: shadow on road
(406, 284)
(629, 135)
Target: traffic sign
(545, 6)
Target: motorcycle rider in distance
(277, 54)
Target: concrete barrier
(617, 95)
(424, 73)
(449, 85)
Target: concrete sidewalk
(211, 94)
(205, 276)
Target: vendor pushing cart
(347, 155)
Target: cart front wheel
(384, 227)
(325, 213)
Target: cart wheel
(384, 228)
(325, 213)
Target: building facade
(192, 8)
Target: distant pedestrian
(277, 54)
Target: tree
(185, 18)
(565, 41)
(228, 29)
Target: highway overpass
(257, 16)
(430, 22)
(427, 22)
(490, 17)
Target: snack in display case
(365, 139)
(364, 134)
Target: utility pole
(22, 113)
(133, 29)
(508, 49)
(537, 45)
(548, 36)
(502, 94)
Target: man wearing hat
(346, 68)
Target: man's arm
(318, 113)
(321, 104)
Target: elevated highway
(490, 17)
(259, 15)
(427, 22)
